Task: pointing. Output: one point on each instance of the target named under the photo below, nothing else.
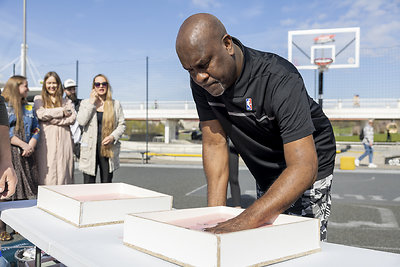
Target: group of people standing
(44, 137)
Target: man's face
(211, 66)
(70, 91)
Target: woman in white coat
(103, 124)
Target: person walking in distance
(368, 142)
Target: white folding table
(103, 246)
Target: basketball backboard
(342, 45)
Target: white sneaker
(371, 165)
(357, 162)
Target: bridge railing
(361, 103)
(179, 105)
(327, 103)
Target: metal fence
(377, 79)
(328, 104)
(362, 103)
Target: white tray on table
(85, 205)
(177, 236)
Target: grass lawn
(377, 138)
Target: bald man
(259, 100)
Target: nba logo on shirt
(249, 104)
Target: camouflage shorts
(315, 203)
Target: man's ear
(228, 43)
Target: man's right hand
(8, 182)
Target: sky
(115, 37)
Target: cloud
(383, 35)
(206, 3)
(252, 12)
(378, 20)
(12, 30)
(287, 22)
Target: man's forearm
(283, 192)
(300, 173)
(215, 162)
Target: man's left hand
(232, 225)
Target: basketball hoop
(323, 63)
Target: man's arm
(215, 162)
(300, 174)
(7, 173)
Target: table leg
(38, 257)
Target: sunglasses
(98, 84)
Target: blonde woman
(55, 114)
(103, 124)
(24, 134)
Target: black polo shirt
(267, 107)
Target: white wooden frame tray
(85, 205)
(164, 235)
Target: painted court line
(197, 189)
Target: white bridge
(171, 112)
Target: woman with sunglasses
(55, 113)
(103, 124)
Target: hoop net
(323, 63)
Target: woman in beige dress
(54, 151)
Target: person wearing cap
(259, 100)
(70, 92)
(76, 130)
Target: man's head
(207, 52)
(70, 89)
